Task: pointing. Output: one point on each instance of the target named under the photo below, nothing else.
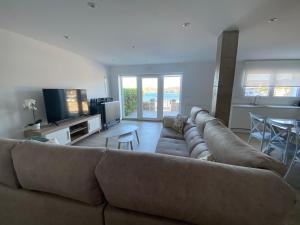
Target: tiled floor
(149, 133)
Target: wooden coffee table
(121, 130)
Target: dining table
(293, 124)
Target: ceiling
(150, 31)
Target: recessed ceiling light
(91, 4)
(186, 24)
(274, 19)
(133, 46)
(66, 37)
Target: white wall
(197, 80)
(27, 66)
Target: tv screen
(62, 104)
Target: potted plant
(30, 104)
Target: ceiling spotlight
(66, 37)
(274, 19)
(91, 4)
(186, 24)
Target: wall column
(224, 75)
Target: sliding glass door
(171, 95)
(129, 96)
(150, 97)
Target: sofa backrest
(7, 172)
(194, 112)
(202, 118)
(61, 170)
(228, 148)
(193, 191)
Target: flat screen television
(62, 104)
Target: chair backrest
(257, 123)
(279, 131)
(296, 156)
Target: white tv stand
(69, 132)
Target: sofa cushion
(7, 172)
(57, 169)
(22, 207)
(198, 149)
(201, 119)
(194, 112)
(188, 125)
(228, 148)
(191, 133)
(193, 137)
(170, 133)
(116, 216)
(171, 146)
(193, 191)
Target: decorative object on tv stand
(30, 104)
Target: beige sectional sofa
(204, 134)
(42, 184)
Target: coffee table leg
(106, 142)
(137, 137)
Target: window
(272, 78)
(171, 95)
(150, 97)
(257, 84)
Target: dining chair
(296, 156)
(258, 129)
(280, 139)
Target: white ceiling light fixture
(272, 20)
(186, 25)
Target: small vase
(36, 126)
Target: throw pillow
(179, 122)
(206, 155)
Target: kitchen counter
(265, 106)
(240, 119)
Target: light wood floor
(149, 133)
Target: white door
(149, 104)
(62, 136)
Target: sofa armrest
(168, 121)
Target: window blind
(283, 73)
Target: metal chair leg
(285, 153)
(131, 147)
(137, 137)
(119, 145)
(249, 139)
